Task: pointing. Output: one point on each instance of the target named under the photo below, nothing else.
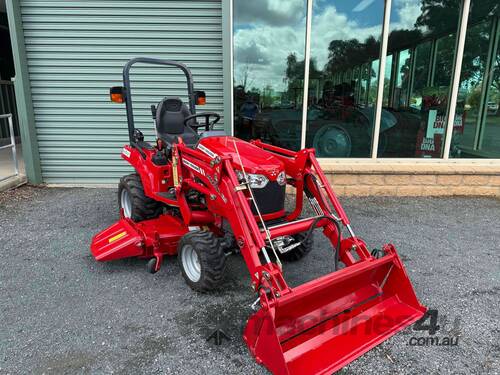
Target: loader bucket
(326, 323)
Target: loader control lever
(209, 125)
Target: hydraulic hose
(337, 248)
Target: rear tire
(332, 141)
(202, 260)
(300, 251)
(135, 204)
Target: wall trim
(23, 95)
(227, 64)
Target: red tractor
(204, 196)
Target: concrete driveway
(61, 312)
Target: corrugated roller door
(76, 51)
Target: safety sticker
(126, 152)
(193, 166)
(207, 151)
(117, 237)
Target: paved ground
(61, 312)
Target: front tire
(300, 251)
(202, 260)
(136, 205)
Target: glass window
(387, 80)
(476, 132)
(422, 36)
(489, 140)
(365, 80)
(419, 74)
(269, 46)
(355, 82)
(345, 40)
(372, 91)
(402, 80)
(443, 67)
(470, 90)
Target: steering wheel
(209, 125)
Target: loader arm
(216, 179)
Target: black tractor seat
(170, 115)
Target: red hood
(255, 159)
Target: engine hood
(254, 159)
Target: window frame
(455, 81)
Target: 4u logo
(432, 326)
(429, 323)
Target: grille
(269, 199)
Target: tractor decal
(126, 152)
(193, 166)
(207, 151)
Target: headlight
(240, 176)
(257, 181)
(281, 178)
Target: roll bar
(128, 96)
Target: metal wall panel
(76, 51)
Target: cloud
(323, 32)
(270, 12)
(407, 11)
(261, 52)
(261, 49)
(362, 5)
(250, 54)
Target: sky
(267, 31)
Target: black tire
(142, 207)
(300, 251)
(151, 265)
(326, 146)
(211, 257)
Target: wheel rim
(332, 141)
(126, 203)
(191, 263)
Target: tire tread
(300, 251)
(212, 259)
(143, 207)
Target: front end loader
(202, 195)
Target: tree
(344, 54)
(402, 39)
(440, 17)
(294, 74)
(246, 78)
(437, 16)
